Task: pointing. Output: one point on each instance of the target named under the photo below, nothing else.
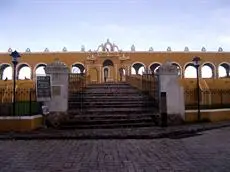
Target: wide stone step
(108, 98)
(108, 85)
(110, 111)
(106, 121)
(117, 116)
(115, 125)
(97, 93)
(107, 105)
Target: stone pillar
(175, 105)
(59, 86)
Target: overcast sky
(37, 24)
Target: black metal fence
(150, 85)
(209, 99)
(25, 105)
(77, 84)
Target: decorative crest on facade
(169, 49)
(108, 47)
(203, 49)
(151, 49)
(220, 49)
(83, 48)
(133, 48)
(28, 50)
(64, 49)
(10, 50)
(46, 50)
(124, 58)
(186, 49)
(91, 58)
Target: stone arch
(24, 71)
(179, 68)
(107, 62)
(122, 73)
(209, 66)
(78, 67)
(108, 73)
(6, 71)
(137, 68)
(154, 66)
(39, 69)
(189, 70)
(223, 69)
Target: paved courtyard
(207, 152)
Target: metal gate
(77, 83)
(150, 86)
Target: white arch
(219, 65)
(213, 70)
(181, 70)
(78, 63)
(35, 67)
(6, 64)
(188, 63)
(138, 62)
(153, 63)
(208, 62)
(192, 73)
(141, 70)
(178, 64)
(73, 69)
(24, 73)
(23, 63)
(223, 63)
(9, 75)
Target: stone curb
(177, 134)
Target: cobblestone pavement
(207, 152)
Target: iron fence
(77, 84)
(25, 105)
(150, 85)
(209, 99)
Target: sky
(54, 24)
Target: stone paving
(207, 152)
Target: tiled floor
(207, 152)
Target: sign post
(43, 88)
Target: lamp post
(196, 62)
(15, 55)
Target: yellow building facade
(110, 63)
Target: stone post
(59, 86)
(175, 105)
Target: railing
(209, 99)
(26, 103)
(77, 82)
(146, 83)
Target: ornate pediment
(123, 57)
(91, 58)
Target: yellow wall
(17, 124)
(147, 58)
(212, 115)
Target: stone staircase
(110, 105)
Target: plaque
(43, 88)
